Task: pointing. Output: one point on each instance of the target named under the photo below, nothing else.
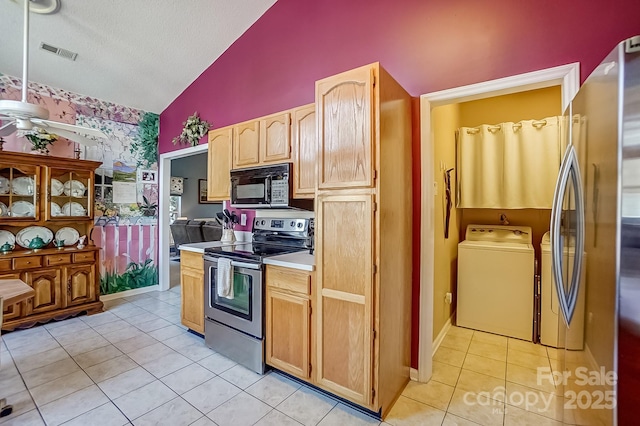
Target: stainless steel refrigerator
(596, 215)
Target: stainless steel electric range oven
(234, 326)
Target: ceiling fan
(27, 117)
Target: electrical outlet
(448, 298)
(243, 219)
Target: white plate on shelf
(55, 210)
(23, 185)
(4, 210)
(69, 235)
(25, 235)
(57, 188)
(22, 209)
(73, 209)
(4, 185)
(74, 188)
(7, 237)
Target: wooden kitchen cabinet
(344, 253)
(78, 281)
(246, 144)
(52, 193)
(362, 237)
(47, 284)
(64, 281)
(288, 339)
(219, 164)
(344, 105)
(275, 138)
(305, 151)
(192, 290)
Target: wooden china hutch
(43, 200)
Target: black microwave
(261, 187)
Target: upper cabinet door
(69, 193)
(275, 138)
(246, 144)
(344, 104)
(305, 151)
(19, 193)
(220, 153)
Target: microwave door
(250, 191)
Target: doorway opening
(190, 164)
(566, 76)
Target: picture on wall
(202, 192)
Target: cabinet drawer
(27, 262)
(289, 279)
(57, 259)
(5, 265)
(191, 260)
(89, 256)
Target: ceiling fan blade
(70, 127)
(75, 137)
(8, 128)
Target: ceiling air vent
(58, 51)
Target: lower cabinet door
(192, 291)
(343, 312)
(288, 334)
(80, 284)
(47, 284)
(12, 311)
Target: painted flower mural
(125, 220)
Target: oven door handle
(245, 265)
(235, 263)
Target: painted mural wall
(126, 188)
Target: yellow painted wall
(446, 120)
(530, 105)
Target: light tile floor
(482, 378)
(136, 364)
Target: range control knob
(293, 224)
(299, 224)
(262, 222)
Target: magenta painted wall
(427, 45)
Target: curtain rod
(516, 126)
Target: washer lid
(496, 246)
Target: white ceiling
(138, 53)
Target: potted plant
(40, 139)
(194, 129)
(147, 208)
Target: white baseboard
(440, 337)
(413, 374)
(127, 293)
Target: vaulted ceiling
(140, 53)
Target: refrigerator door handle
(567, 297)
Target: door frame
(164, 186)
(566, 76)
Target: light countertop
(199, 247)
(300, 260)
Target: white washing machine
(496, 269)
(552, 326)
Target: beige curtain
(509, 165)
